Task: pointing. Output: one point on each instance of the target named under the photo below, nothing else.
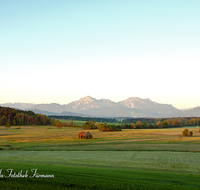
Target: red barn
(84, 135)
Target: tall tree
(139, 123)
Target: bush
(185, 132)
(191, 133)
(8, 125)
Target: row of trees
(18, 117)
(173, 122)
(90, 125)
(101, 126)
(105, 127)
(78, 118)
(144, 125)
(59, 124)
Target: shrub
(191, 133)
(185, 132)
(8, 125)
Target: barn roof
(82, 133)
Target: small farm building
(84, 135)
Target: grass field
(127, 159)
(51, 138)
(81, 122)
(176, 162)
(75, 122)
(95, 178)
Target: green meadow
(75, 122)
(81, 122)
(127, 159)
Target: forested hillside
(10, 116)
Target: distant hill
(10, 116)
(195, 112)
(73, 114)
(88, 106)
(22, 106)
(38, 111)
(53, 107)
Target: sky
(61, 51)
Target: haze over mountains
(88, 106)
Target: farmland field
(127, 159)
(75, 122)
(178, 162)
(66, 138)
(81, 122)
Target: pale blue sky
(60, 51)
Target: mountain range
(88, 106)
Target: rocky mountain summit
(88, 103)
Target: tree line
(79, 118)
(138, 125)
(145, 125)
(172, 122)
(60, 124)
(11, 116)
(101, 126)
